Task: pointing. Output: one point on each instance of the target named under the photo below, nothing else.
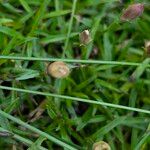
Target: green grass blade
(72, 60)
(56, 38)
(10, 32)
(104, 130)
(140, 69)
(69, 28)
(57, 13)
(76, 99)
(49, 137)
(144, 138)
(39, 15)
(25, 5)
(21, 139)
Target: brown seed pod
(147, 48)
(132, 12)
(101, 145)
(58, 69)
(85, 37)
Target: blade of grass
(10, 7)
(48, 136)
(104, 130)
(8, 48)
(5, 21)
(144, 138)
(10, 32)
(94, 30)
(140, 69)
(57, 8)
(57, 13)
(25, 5)
(72, 60)
(21, 139)
(134, 137)
(39, 15)
(76, 99)
(56, 38)
(70, 27)
(105, 84)
(37, 143)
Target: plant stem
(70, 27)
(72, 60)
(21, 139)
(76, 99)
(51, 138)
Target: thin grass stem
(48, 136)
(71, 60)
(21, 139)
(76, 99)
(70, 27)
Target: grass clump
(104, 96)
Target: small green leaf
(140, 69)
(57, 13)
(25, 5)
(27, 74)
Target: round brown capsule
(58, 69)
(101, 145)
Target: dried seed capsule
(58, 69)
(85, 37)
(101, 145)
(147, 48)
(132, 12)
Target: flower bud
(58, 69)
(147, 48)
(132, 12)
(85, 37)
(101, 145)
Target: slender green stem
(21, 139)
(51, 138)
(142, 141)
(72, 60)
(57, 8)
(76, 99)
(70, 26)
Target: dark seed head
(132, 12)
(85, 37)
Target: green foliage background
(50, 28)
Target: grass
(75, 99)
(106, 95)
